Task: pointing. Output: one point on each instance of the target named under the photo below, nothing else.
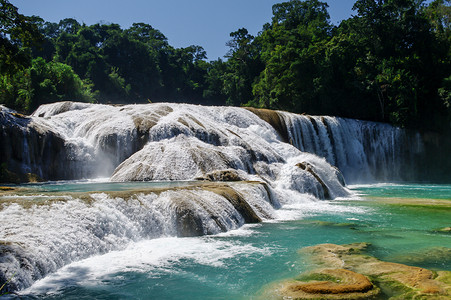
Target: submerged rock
(435, 256)
(352, 226)
(329, 284)
(445, 229)
(345, 272)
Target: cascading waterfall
(158, 142)
(98, 138)
(58, 230)
(363, 151)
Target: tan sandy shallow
(345, 272)
(411, 201)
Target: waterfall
(363, 151)
(85, 141)
(58, 230)
(277, 159)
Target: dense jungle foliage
(391, 62)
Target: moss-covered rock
(223, 175)
(433, 256)
(334, 281)
(6, 176)
(345, 272)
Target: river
(397, 219)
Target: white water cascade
(158, 142)
(49, 232)
(363, 151)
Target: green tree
(243, 67)
(43, 83)
(145, 33)
(49, 32)
(292, 50)
(136, 63)
(213, 92)
(404, 60)
(17, 32)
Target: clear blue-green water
(97, 185)
(237, 265)
(420, 191)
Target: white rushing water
(153, 257)
(363, 151)
(279, 180)
(178, 141)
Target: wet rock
(224, 175)
(29, 151)
(145, 122)
(188, 222)
(238, 202)
(274, 119)
(6, 188)
(330, 284)
(191, 211)
(309, 168)
(17, 256)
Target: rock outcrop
(30, 151)
(225, 175)
(274, 119)
(329, 284)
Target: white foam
(34, 197)
(374, 185)
(311, 207)
(151, 257)
(245, 230)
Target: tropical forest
(311, 161)
(389, 62)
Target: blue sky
(206, 23)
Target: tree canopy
(389, 62)
(16, 33)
